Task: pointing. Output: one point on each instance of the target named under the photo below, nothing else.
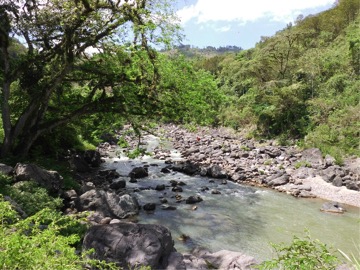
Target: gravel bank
(327, 191)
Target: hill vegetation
(302, 83)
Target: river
(241, 218)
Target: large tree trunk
(5, 113)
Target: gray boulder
(332, 207)
(216, 172)
(313, 156)
(278, 179)
(109, 204)
(186, 167)
(130, 245)
(51, 180)
(5, 169)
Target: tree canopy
(79, 57)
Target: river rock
(86, 187)
(313, 156)
(353, 185)
(149, 207)
(278, 179)
(139, 172)
(118, 184)
(131, 245)
(186, 168)
(51, 180)
(108, 174)
(223, 259)
(193, 199)
(165, 170)
(5, 169)
(177, 189)
(160, 187)
(216, 172)
(109, 204)
(168, 207)
(332, 207)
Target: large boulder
(278, 179)
(130, 245)
(186, 168)
(313, 156)
(109, 204)
(51, 180)
(5, 169)
(216, 172)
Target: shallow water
(241, 218)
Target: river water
(241, 218)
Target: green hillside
(302, 83)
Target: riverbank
(301, 173)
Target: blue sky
(240, 22)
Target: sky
(240, 23)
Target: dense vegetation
(302, 83)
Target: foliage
(137, 152)
(82, 58)
(28, 195)
(302, 83)
(122, 143)
(302, 163)
(303, 253)
(190, 96)
(353, 259)
(45, 240)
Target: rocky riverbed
(221, 153)
(213, 153)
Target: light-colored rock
(51, 180)
(109, 204)
(223, 259)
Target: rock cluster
(222, 154)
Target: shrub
(303, 254)
(137, 152)
(42, 241)
(28, 195)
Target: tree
(64, 74)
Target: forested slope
(301, 83)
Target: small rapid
(235, 217)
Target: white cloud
(223, 29)
(244, 11)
